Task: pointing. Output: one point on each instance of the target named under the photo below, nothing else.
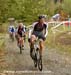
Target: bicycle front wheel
(35, 61)
(40, 66)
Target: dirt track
(21, 64)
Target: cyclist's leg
(22, 41)
(18, 39)
(16, 36)
(41, 44)
(32, 40)
(24, 36)
(13, 35)
(10, 34)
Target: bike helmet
(41, 16)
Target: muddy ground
(15, 63)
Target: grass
(2, 51)
(52, 42)
(2, 40)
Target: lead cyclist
(39, 29)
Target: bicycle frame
(37, 57)
(12, 36)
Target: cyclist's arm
(9, 29)
(24, 28)
(46, 30)
(30, 32)
(32, 29)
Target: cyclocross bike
(37, 58)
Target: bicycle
(20, 41)
(37, 58)
(12, 36)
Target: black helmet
(42, 16)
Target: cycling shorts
(40, 35)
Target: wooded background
(28, 10)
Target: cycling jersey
(38, 30)
(39, 27)
(11, 29)
(21, 30)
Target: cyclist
(24, 30)
(16, 36)
(11, 28)
(20, 33)
(56, 17)
(39, 29)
